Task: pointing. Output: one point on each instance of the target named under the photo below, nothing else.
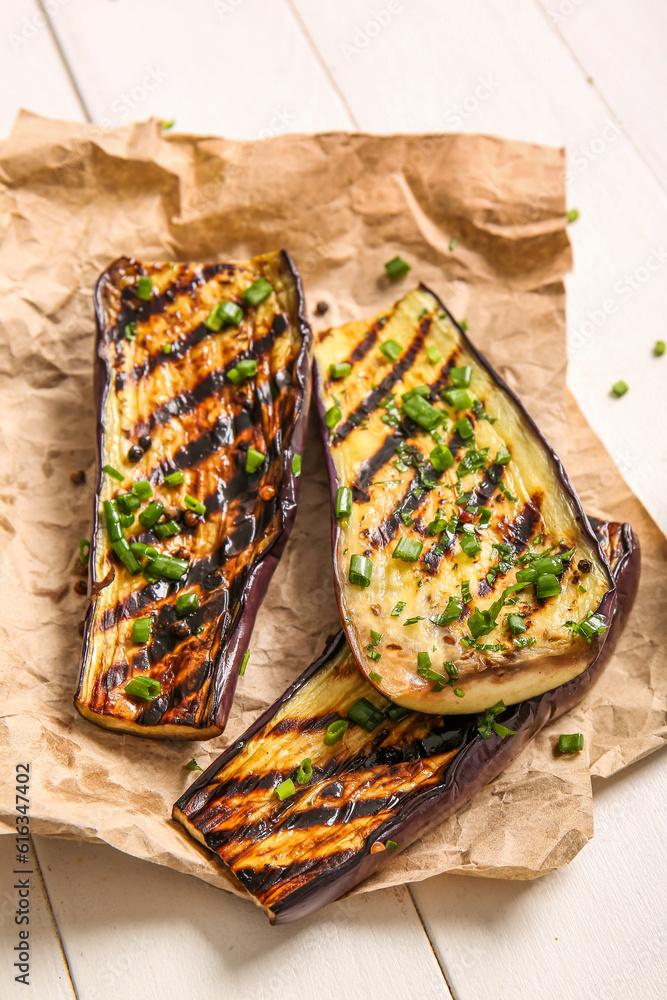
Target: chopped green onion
(547, 586)
(144, 687)
(424, 670)
(192, 765)
(128, 502)
(365, 714)
(244, 662)
(141, 630)
(451, 668)
(375, 677)
(254, 460)
(234, 375)
(397, 609)
(396, 268)
(459, 693)
(465, 428)
(452, 613)
(441, 458)
(452, 243)
(196, 506)
(464, 325)
(151, 515)
(466, 596)
(143, 489)
(167, 529)
(619, 388)
(391, 349)
(305, 772)
(285, 789)
(247, 367)
(130, 331)
(413, 620)
(515, 624)
(112, 518)
(146, 551)
(461, 377)
(166, 348)
(396, 713)
(484, 517)
(214, 319)
(433, 354)
(187, 603)
(339, 371)
(590, 626)
(547, 564)
(144, 288)
(84, 551)
(523, 641)
(469, 544)
(332, 416)
(423, 661)
(168, 567)
(296, 465)
(506, 493)
(408, 549)
(126, 520)
(114, 473)
(503, 456)
(573, 215)
(361, 569)
(659, 348)
(343, 501)
(571, 743)
(526, 576)
(258, 291)
(417, 390)
(174, 479)
(335, 732)
(230, 313)
(391, 845)
(422, 413)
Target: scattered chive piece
(126, 556)
(451, 668)
(458, 398)
(258, 291)
(192, 765)
(441, 458)
(465, 428)
(571, 743)
(466, 596)
(417, 390)
(339, 371)
(573, 215)
(234, 375)
(130, 331)
(244, 662)
(332, 416)
(461, 377)
(231, 313)
(146, 551)
(391, 845)
(433, 354)
(459, 693)
(305, 772)
(547, 586)
(168, 567)
(196, 506)
(582, 590)
(167, 529)
(547, 564)
(254, 460)
(515, 624)
(187, 603)
(343, 501)
(422, 412)
(141, 630)
(413, 620)
(114, 473)
(464, 325)
(453, 242)
(166, 348)
(469, 544)
(174, 479)
(619, 388)
(214, 320)
(526, 576)
(247, 367)
(144, 687)
(659, 348)
(151, 514)
(391, 349)
(128, 502)
(375, 677)
(285, 789)
(396, 268)
(361, 569)
(484, 517)
(168, 123)
(423, 661)
(503, 456)
(143, 489)
(127, 520)
(144, 288)
(111, 516)
(408, 549)
(296, 465)
(396, 713)
(397, 609)
(365, 714)
(335, 732)
(84, 551)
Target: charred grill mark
(371, 466)
(372, 400)
(518, 532)
(369, 339)
(264, 879)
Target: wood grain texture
(135, 931)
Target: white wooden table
(591, 74)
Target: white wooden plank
(32, 73)
(498, 66)
(240, 68)
(597, 929)
(48, 975)
(136, 931)
(622, 47)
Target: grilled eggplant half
(202, 390)
(301, 808)
(466, 572)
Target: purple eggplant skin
(227, 665)
(474, 766)
(607, 605)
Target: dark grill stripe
(372, 399)
(369, 339)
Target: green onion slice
(285, 789)
(254, 460)
(305, 772)
(391, 349)
(144, 687)
(335, 732)
(141, 630)
(340, 370)
(187, 603)
(114, 473)
(296, 465)
(174, 479)
(192, 765)
(396, 268)
(361, 569)
(196, 506)
(143, 489)
(397, 609)
(461, 377)
(144, 289)
(84, 551)
(571, 743)
(151, 514)
(257, 293)
(441, 458)
(408, 549)
(244, 662)
(365, 714)
(167, 567)
(343, 501)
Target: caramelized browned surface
(201, 424)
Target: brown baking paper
(72, 198)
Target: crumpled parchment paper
(72, 198)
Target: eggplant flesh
(503, 502)
(167, 403)
(371, 793)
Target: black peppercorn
(78, 478)
(145, 441)
(190, 518)
(180, 629)
(321, 308)
(81, 587)
(584, 566)
(135, 454)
